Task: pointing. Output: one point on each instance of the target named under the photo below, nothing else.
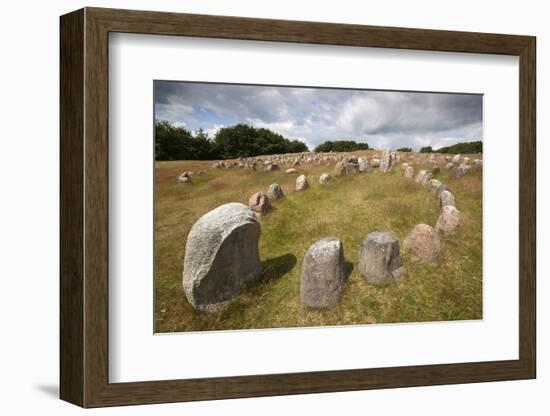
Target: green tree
(404, 149)
(426, 149)
(465, 147)
(341, 146)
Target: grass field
(348, 208)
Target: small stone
(423, 242)
(460, 170)
(185, 177)
(409, 172)
(449, 220)
(456, 158)
(441, 188)
(272, 167)
(324, 178)
(375, 162)
(301, 183)
(351, 168)
(291, 171)
(259, 203)
(340, 168)
(364, 166)
(323, 274)
(433, 185)
(379, 259)
(274, 191)
(447, 198)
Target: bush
(427, 149)
(405, 149)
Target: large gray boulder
(379, 259)
(221, 256)
(323, 274)
(423, 242)
(275, 191)
(387, 161)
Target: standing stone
(433, 185)
(340, 168)
(423, 242)
(449, 165)
(274, 191)
(420, 176)
(449, 220)
(185, 177)
(423, 177)
(379, 259)
(323, 274)
(456, 159)
(259, 203)
(387, 161)
(296, 163)
(447, 198)
(439, 190)
(324, 178)
(301, 183)
(409, 172)
(460, 170)
(364, 166)
(221, 256)
(351, 168)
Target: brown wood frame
(84, 207)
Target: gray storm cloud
(381, 118)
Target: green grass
(349, 208)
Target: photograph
(312, 206)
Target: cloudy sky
(380, 118)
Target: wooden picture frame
(84, 207)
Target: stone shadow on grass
(277, 267)
(348, 268)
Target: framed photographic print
(255, 207)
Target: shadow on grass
(348, 268)
(277, 267)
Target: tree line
(465, 147)
(178, 143)
(341, 146)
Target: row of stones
(222, 257)
(344, 164)
(222, 247)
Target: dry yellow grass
(349, 208)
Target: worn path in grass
(348, 208)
